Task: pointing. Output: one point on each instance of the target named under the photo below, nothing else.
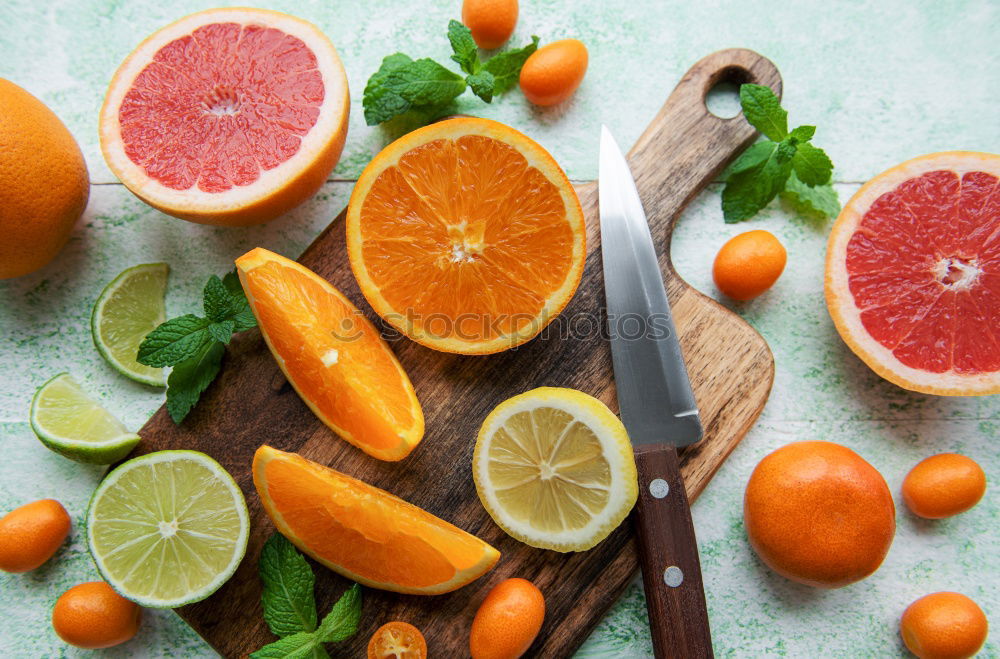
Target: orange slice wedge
(364, 533)
(333, 356)
(466, 236)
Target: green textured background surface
(883, 81)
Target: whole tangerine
(749, 264)
(31, 534)
(553, 72)
(507, 621)
(44, 184)
(817, 513)
(943, 485)
(397, 640)
(92, 615)
(490, 21)
(944, 626)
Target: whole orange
(43, 182)
(31, 534)
(490, 21)
(817, 513)
(397, 640)
(91, 615)
(943, 626)
(749, 264)
(507, 621)
(944, 485)
(553, 72)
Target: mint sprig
(194, 345)
(424, 87)
(290, 605)
(785, 163)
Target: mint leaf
(402, 84)
(812, 165)
(811, 200)
(342, 620)
(749, 191)
(506, 66)
(764, 112)
(243, 317)
(174, 341)
(462, 43)
(753, 156)
(802, 134)
(218, 301)
(287, 598)
(191, 377)
(482, 85)
(222, 331)
(297, 646)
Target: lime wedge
(168, 528)
(73, 424)
(129, 308)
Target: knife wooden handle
(668, 556)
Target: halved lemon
(554, 468)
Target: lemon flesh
(68, 421)
(554, 468)
(129, 308)
(168, 528)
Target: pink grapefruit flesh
(228, 116)
(913, 274)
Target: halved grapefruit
(227, 116)
(913, 274)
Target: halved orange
(332, 355)
(466, 236)
(227, 116)
(913, 274)
(364, 533)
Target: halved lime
(68, 421)
(128, 309)
(168, 528)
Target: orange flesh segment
(466, 238)
(216, 107)
(924, 270)
(333, 355)
(362, 529)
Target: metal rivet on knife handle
(673, 576)
(659, 488)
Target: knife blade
(650, 375)
(658, 409)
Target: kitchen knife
(658, 410)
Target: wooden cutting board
(730, 366)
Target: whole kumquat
(92, 616)
(944, 485)
(749, 264)
(31, 534)
(397, 640)
(553, 72)
(490, 21)
(944, 626)
(507, 621)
